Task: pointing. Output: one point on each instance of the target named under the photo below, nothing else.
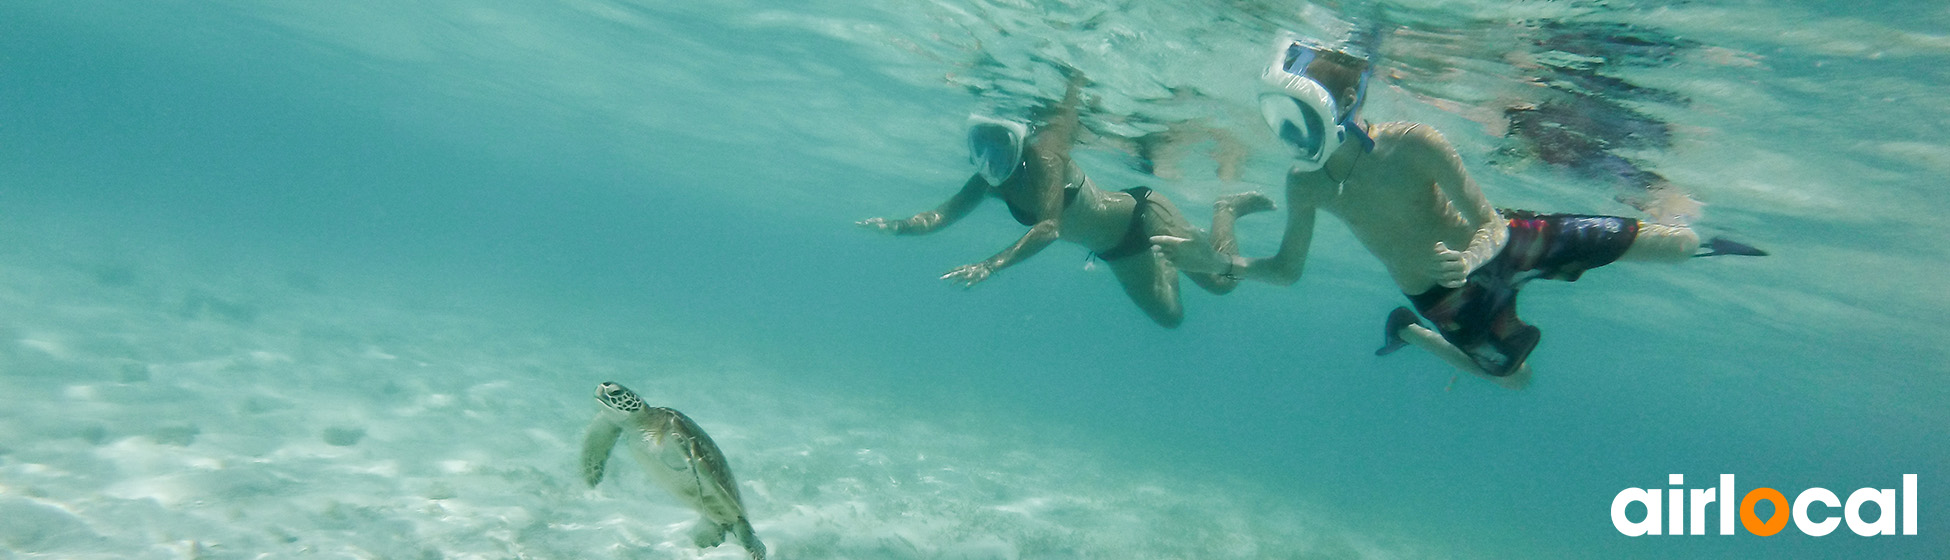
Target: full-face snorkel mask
(1303, 114)
(995, 147)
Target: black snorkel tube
(1347, 117)
(1368, 39)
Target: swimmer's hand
(1451, 268)
(969, 275)
(1187, 256)
(883, 225)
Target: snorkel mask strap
(1368, 40)
(1360, 98)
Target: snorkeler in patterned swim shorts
(1403, 192)
(1480, 318)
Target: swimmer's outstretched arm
(1437, 160)
(1040, 236)
(1305, 192)
(954, 209)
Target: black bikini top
(1074, 184)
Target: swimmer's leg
(1662, 243)
(1161, 217)
(1657, 242)
(1433, 343)
(1227, 209)
(1231, 207)
(1152, 284)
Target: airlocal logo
(1678, 512)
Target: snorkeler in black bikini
(1031, 171)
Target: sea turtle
(679, 457)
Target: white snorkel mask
(995, 147)
(1301, 112)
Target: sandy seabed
(150, 416)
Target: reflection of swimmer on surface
(1578, 135)
(1031, 171)
(1583, 124)
(1163, 142)
(1404, 193)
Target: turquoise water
(284, 280)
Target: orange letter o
(1775, 523)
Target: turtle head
(618, 398)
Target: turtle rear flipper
(748, 539)
(708, 534)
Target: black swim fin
(1722, 246)
(1391, 340)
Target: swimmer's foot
(1722, 246)
(1392, 340)
(1245, 203)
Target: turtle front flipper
(595, 449)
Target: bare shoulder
(1419, 147)
(1409, 135)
